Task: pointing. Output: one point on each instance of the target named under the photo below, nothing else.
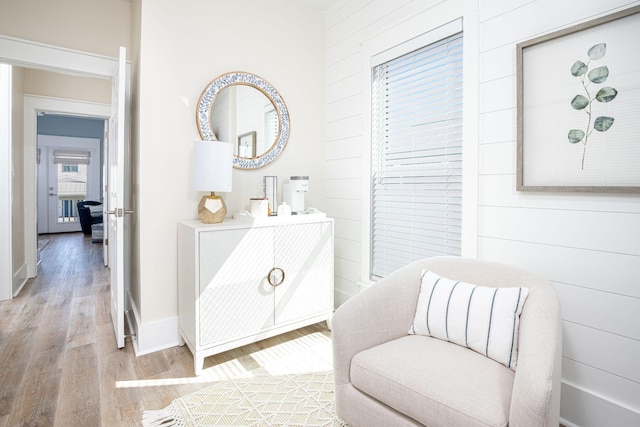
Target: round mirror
(247, 111)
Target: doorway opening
(70, 170)
(19, 250)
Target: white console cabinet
(240, 282)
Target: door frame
(6, 168)
(32, 105)
(28, 54)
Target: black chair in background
(87, 217)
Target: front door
(68, 172)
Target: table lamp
(212, 171)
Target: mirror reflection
(245, 116)
(245, 110)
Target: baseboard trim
(152, 336)
(132, 317)
(580, 407)
(566, 423)
(129, 318)
(156, 336)
(20, 278)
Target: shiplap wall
(588, 245)
(351, 26)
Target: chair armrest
(535, 399)
(380, 313)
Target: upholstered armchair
(87, 216)
(385, 376)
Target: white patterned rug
(262, 400)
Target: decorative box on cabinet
(239, 282)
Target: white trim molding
(585, 407)
(19, 279)
(30, 54)
(387, 45)
(470, 126)
(158, 335)
(6, 258)
(32, 105)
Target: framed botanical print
(247, 145)
(579, 107)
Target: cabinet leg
(198, 364)
(329, 323)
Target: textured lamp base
(212, 209)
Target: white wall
(98, 26)
(17, 179)
(183, 46)
(587, 244)
(13, 267)
(56, 85)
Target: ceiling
(320, 4)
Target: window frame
(401, 100)
(390, 46)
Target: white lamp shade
(212, 166)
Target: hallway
(58, 358)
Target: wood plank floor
(59, 365)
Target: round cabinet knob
(275, 276)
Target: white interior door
(105, 190)
(118, 198)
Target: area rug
(262, 400)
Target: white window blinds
(270, 126)
(416, 209)
(71, 157)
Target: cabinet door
(235, 298)
(305, 253)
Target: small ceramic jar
(284, 209)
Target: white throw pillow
(483, 319)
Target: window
(270, 126)
(71, 157)
(69, 168)
(416, 155)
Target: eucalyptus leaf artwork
(595, 76)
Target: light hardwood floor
(59, 365)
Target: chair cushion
(97, 233)
(484, 319)
(435, 382)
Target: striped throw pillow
(480, 318)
